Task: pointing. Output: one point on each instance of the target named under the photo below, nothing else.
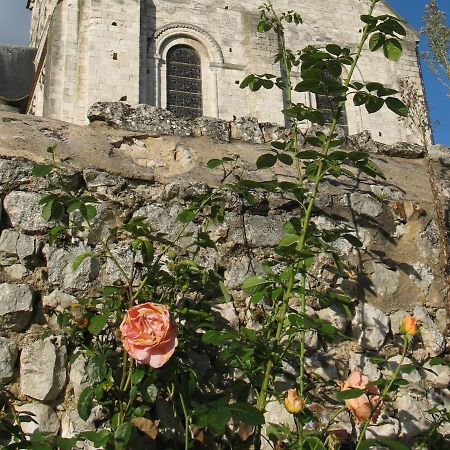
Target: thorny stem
(187, 420)
(386, 390)
(262, 400)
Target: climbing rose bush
(149, 334)
(366, 406)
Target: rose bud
(293, 402)
(409, 326)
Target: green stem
(262, 400)
(187, 420)
(386, 390)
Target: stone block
(45, 419)
(43, 369)
(16, 306)
(8, 357)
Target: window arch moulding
(211, 57)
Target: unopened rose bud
(293, 402)
(410, 326)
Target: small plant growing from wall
(137, 337)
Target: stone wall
(398, 270)
(16, 71)
(111, 50)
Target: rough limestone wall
(398, 270)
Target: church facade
(189, 56)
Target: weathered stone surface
(217, 129)
(428, 242)
(16, 272)
(439, 153)
(386, 192)
(8, 357)
(264, 231)
(13, 172)
(334, 316)
(359, 361)
(412, 404)
(363, 204)
(43, 360)
(387, 427)
(58, 300)
(385, 281)
(412, 375)
(45, 419)
(13, 243)
(397, 320)
(227, 312)
(78, 376)
(247, 129)
(422, 276)
(24, 211)
(438, 375)
(276, 413)
(433, 339)
(323, 367)
(61, 273)
(238, 269)
(142, 118)
(402, 150)
(16, 306)
(370, 326)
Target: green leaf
(97, 324)
(85, 402)
(349, 394)
(289, 240)
(226, 295)
(214, 163)
(247, 414)
(397, 106)
(376, 41)
(186, 216)
(353, 240)
(122, 435)
(52, 211)
(80, 258)
(138, 376)
(43, 170)
(285, 159)
(88, 212)
(97, 368)
(98, 438)
(255, 284)
(266, 161)
(65, 443)
(393, 49)
(374, 104)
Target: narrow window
(328, 107)
(184, 82)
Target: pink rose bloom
(149, 334)
(361, 407)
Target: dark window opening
(184, 82)
(326, 104)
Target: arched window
(184, 82)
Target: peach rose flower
(361, 407)
(149, 334)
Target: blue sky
(14, 29)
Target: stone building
(189, 56)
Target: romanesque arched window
(184, 82)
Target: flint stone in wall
(43, 369)
(60, 272)
(78, 376)
(440, 153)
(72, 425)
(238, 269)
(334, 316)
(412, 404)
(397, 320)
(273, 132)
(370, 326)
(275, 413)
(385, 281)
(58, 300)
(363, 204)
(217, 129)
(262, 231)
(13, 243)
(16, 306)
(163, 218)
(247, 129)
(422, 276)
(359, 361)
(387, 192)
(14, 172)
(427, 242)
(402, 150)
(24, 211)
(437, 375)
(45, 419)
(412, 376)
(8, 357)
(387, 427)
(110, 273)
(433, 340)
(227, 313)
(141, 118)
